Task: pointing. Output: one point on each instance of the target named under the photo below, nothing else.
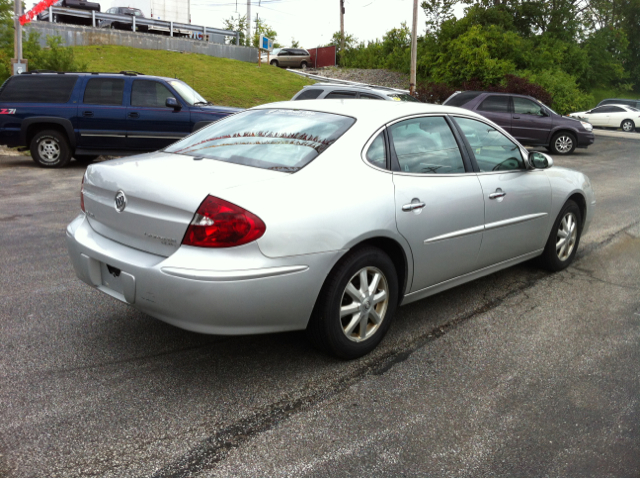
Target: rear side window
(104, 91)
(341, 94)
(369, 97)
(274, 139)
(427, 146)
(149, 93)
(309, 94)
(377, 152)
(38, 88)
(461, 98)
(495, 103)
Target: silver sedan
(321, 215)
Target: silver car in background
(321, 215)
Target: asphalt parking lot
(521, 373)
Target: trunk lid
(162, 192)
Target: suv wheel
(274, 63)
(50, 149)
(303, 65)
(563, 143)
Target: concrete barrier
(74, 35)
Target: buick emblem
(121, 201)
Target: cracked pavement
(520, 373)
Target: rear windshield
(403, 97)
(283, 140)
(38, 88)
(461, 98)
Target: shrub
(564, 90)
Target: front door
(439, 205)
(152, 125)
(530, 123)
(517, 201)
(101, 115)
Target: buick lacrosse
(321, 215)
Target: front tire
(50, 149)
(274, 63)
(303, 65)
(563, 143)
(356, 305)
(628, 126)
(564, 239)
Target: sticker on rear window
(7, 111)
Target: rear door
(517, 201)
(439, 204)
(530, 124)
(101, 115)
(498, 109)
(152, 125)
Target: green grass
(601, 94)
(220, 80)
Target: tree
(437, 11)
(262, 28)
(238, 24)
(295, 43)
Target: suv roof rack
(130, 73)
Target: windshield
(283, 140)
(403, 97)
(547, 107)
(187, 93)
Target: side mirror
(588, 112)
(173, 103)
(538, 160)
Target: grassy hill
(220, 80)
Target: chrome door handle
(498, 194)
(413, 206)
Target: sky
(310, 22)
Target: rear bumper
(200, 289)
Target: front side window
(377, 152)
(495, 103)
(427, 146)
(104, 91)
(151, 94)
(187, 93)
(522, 106)
(274, 139)
(493, 151)
(601, 109)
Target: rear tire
(50, 149)
(564, 239)
(628, 126)
(356, 305)
(563, 143)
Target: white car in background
(611, 116)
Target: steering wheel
(508, 164)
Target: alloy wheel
(49, 150)
(564, 143)
(566, 236)
(364, 304)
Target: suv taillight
(82, 195)
(220, 224)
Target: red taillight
(82, 195)
(220, 224)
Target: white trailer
(178, 11)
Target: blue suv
(84, 115)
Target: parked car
(530, 121)
(78, 4)
(611, 116)
(132, 12)
(621, 101)
(84, 115)
(321, 91)
(321, 215)
(289, 57)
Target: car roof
(616, 104)
(364, 88)
(102, 74)
(372, 111)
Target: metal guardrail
(171, 27)
(319, 78)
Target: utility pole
(17, 44)
(249, 42)
(414, 49)
(342, 25)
